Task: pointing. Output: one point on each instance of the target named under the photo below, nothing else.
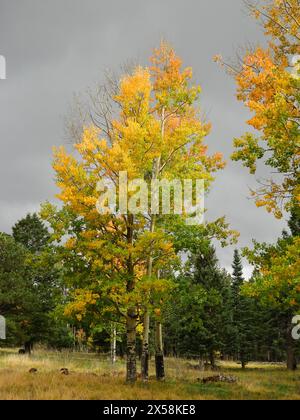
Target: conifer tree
(242, 315)
(31, 233)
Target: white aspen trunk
(146, 320)
(131, 374)
(131, 319)
(159, 349)
(159, 353)
(113, 344)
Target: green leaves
(248, 151)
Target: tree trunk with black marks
(131, 375)
(146, 320)
(113, 344)
(159, 353)
(131, 318)
(145, 348)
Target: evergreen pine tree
(216, 308)
(43, 275)
(237, 275)
(31, 233)
(242, 315)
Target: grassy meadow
(91, 377)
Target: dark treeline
(208, 317)
(31, 287)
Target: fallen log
(218, 378)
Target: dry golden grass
(94, 378)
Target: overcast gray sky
(55, 48)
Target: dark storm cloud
(54, 48)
